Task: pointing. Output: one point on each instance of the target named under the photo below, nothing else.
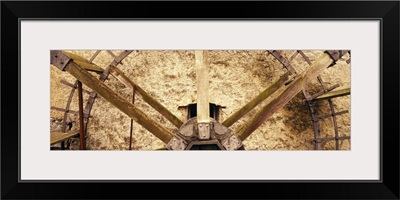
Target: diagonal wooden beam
(61, 61)
(258, 99)
(291, 91)
(84, 63)
(60, 136)
(334, 93)
(118, 74)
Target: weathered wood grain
(84, 63)
(59, 136)
(118, 101)
(201, 63)
(334, 93)
(258, 99)
(291, 91)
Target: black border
(387, 12)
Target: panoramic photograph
(251, 100)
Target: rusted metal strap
(64, 125)
(322, 83)
(73, 86)
(117, 59)
(335, 55)
(88, 108)
(68, 111)
(114, 56)
(111, 53)
(62, 110)
(317, 145)
(315, 118)
(94, 56)
(334, 122)
(333, 114)
(131, 131)
(282, 60)
(90, 101)
(59, 59)
(81, 126)
(293, 56)
(305, 57)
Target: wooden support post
(118, 74)
(130, 137)
(258, 99)
(203, 105)
(291, 91)
(118, 101)
(81, 127)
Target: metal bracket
(282, 60)
(177, 143)
(59, 59)
(232, 142)
(204, 131)
(204, 136)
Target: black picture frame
(386, 11)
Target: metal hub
(204, 136)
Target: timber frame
(291, 83)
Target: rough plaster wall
(235, 78)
